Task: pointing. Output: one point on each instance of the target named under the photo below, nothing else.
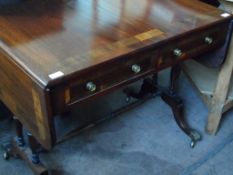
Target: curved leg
(177, 106)
(150, 86)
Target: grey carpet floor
(142, 141)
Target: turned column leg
(33, 158)
(19, 133)
(146, 89)
(18, 148)
(34, 146)
(155, 79)
(177, 106)
(4, 112)
(18, 140)
(174, 76)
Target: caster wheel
(128, 99)
(6, 156)
(195, 137)
(192, 144)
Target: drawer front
(191, 46)
(104, 78)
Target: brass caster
(192, 144)
(128, 99)
(195, 137)
(7, 150)
(6, 156)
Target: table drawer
(105, 77)
(191, 46)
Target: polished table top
(54, 54)
(72, 36)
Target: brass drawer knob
(136, 68)
(208, 40)
(177, 52)
(91, 86)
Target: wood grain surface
(49, 54)
(73, 35)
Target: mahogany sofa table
(58, 54)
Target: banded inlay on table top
(70, 36)
(55, 54)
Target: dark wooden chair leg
(170, 97)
